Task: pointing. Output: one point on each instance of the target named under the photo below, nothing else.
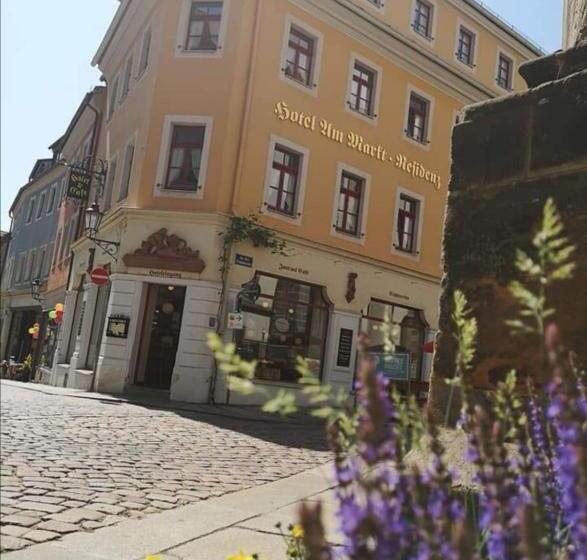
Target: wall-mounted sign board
(345, 348)
(117, 326)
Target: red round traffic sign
(99, 276)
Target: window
(283, 319)
(363, 90)
(71, 237)
(20, 267)
(129, 155)
(504, 71)
(63, 191)
(423, 18)
(203, 31)
(52, 195)
(145, 52)
(30, 211)
(299, 64)
(49, 258)
(29, 266)
(113, 97)
(466, 47)
(41, 205)
(40, 270)
(64, 236)
(394, 329)
(418, 111)
(107, 198)
(127, 77)
(185, 158)
(58, 248)
(350, 198)
(284, 183)
(407, 224)
(376, 3)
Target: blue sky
(46, 51)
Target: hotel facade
(328, 121)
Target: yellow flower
(151, 557)
(297, 532)
(241, 556)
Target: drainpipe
(236, 182)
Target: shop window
(185, 158)
(395, 329)
(285, 180)
(418, 118)
(350, 201)
(466, 46)
(203, 32)
(283, 320)
(299, 65)
(407, 221)
(145, 52)
(362, 94)
(504, 72)
(423, 14)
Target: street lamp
(92, 221)
(36, 290)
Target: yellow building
(331, 119)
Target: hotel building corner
(331, 121)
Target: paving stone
(106, 508)
(106, 522)
(13, 530)
(22, 520)
(13, 543)
(39, 536)
(78, 515)
(39, 506)
(131, 505)
(57, 527)
(162, 498)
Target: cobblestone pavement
(73, 464)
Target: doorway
(160, 336)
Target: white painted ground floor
(148, 326)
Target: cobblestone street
(75, 464)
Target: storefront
(283, 319)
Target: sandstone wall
(509, 156)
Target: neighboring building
(34, 221)
(44, 225)
(575, 22)
(330, 118)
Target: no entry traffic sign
(99, 276)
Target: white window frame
(127, 77)
(415, 256)
(29, 216)
(304, 152)
(190, 120)
(40, 264)
(141, 70)
(473, 31)
(360, 238)
(426, 40)
(19, 271)
(52, 198)
(355, 57)
(507, 54)
(292, 21)
(430, 121)
(113, 95)
(182, 28)
(132, 140)
(30, 265)
(40, 210)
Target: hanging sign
(236, 321)
(78, 186)
(345, 348)
(99, 276)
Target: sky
(46, 49)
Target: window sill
(311, 89)
(371, 118)
(424, 36)
(182, 52)
(424, 144)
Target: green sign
(79, 184)
(393, 365)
